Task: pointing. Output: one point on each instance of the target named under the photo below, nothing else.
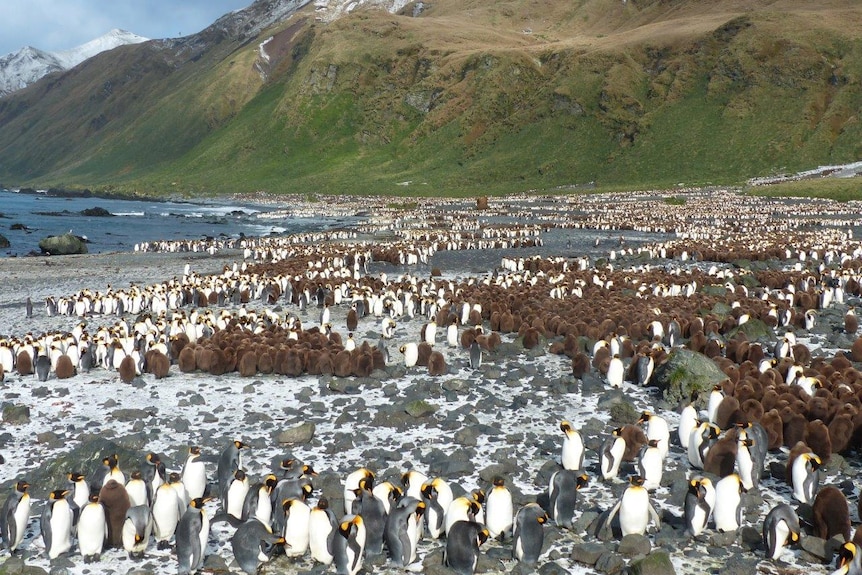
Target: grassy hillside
(468, 97)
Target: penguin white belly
(499, 512)
(781, 532)
(452, 335)
(573, 452)
(698, 521)
(651, 468)
(799, 474)
(166, 513)
(137, 491)
(616, 373)
(634, 511)
(727, 505)
(296, 529)
(22, 515)
(263, 511)
(92, 530)
(236, 497)
(687, 422)
(195, 479)
(610, 462)
(413, 534)
(204, 534)
(745, 466)
(61, 529)
(319, 529)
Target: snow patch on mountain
(24, 67)
(328, 10)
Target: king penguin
(373, 514)
(234, 493)
(687, 422)
(805, 475)
(462, 546)
(650, 465)
(461, 509)
(229, 461)
(657, 428)
(728, 503)
(192, 533)
(253, 544)
(401, 532)
(780, 528)
(563, 496)
(92, 529)
(573, 447)
(136, 530)
(296, 527)
(475, 355)
(611, 455)
(351, 483)
(499, 510)
(322, 526)
(635, 509)
(699, 503)
(167, 510)
(528, 534)
(194, 474)
(437, 496)
(849, 561)
(349, 545)
(56, 524)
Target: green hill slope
(465, 98)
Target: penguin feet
(162, 545)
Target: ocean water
(136, 221)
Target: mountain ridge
(21, 68)
(459, 97)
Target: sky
(56, 25)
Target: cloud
(63, 24)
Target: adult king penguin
(728, 503)
(528, 534)
(499, 510)
(611, 455)
(563, 496)
(192, 534)
(229, 461)
(194, 474)
(92, 529)
(56, 524)
(349, 545)
(253, 544)
(849, 561)
(437, 496)
(136, 530)
(322, 526)
(462, 546)
(401, 533)
(635, 509)
(573, 447)
(780, 528)
(699, 503)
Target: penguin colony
(776, 395)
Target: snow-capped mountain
(22, 68)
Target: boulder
(4, 242)
(301, 433)
(656, 563)
(63, 245)
(96, 212)
(684, 373)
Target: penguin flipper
(223, 516)
(45, 526)
(654, 514)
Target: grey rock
(298, 434)
(129, 414)
(62, 245)
(419, 408)
(610, 563)
(726, 539)
(739, 564)
(634, 544)
(16, 414)
(685, 372)
(588, 553)
(656, 563)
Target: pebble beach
(623, 263)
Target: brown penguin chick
(817, 438)
(64, 368)
(801, 354)
(851, 322)
(378, 361)
(468, 336)
(24, 363)
(839, 362)
(531, 338)
(424, 348)
(713, 348)
(841, 432)
(635, 439)
(265, 363)
(186, 360)
(178, 343)
(752, 409)
(324, 363)
(158, 364)
(203, 358)
(115, 499)
(794, 428)
(495, 320)
(831, 513)
(218, 363)
(475, 317)
(697, 342)
(771, 422)
(492, 341)
(127, 369)
(437, 364)
(294, 363)
(603, 355)
(580, 364)
(819, 407)
(352, 320)
(856, 350)
(363, 363)
(247, 366)
(341, 363)
(798, 449)
(721, 457)
(728, 406)
(507, 322)
(755, 353)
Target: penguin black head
(815, 461)
(307, 490)
(846, 554)
(308, 470)
(93, 498)
(174, 477)
(239, 475)
(694, 487)
(482, 536)
(565, 426)
(239, 444)
(286, 504)
(499, 482)
(58, 494)
(636, 480)
(136, 474)
(323, 503)
(644, 417)
(153, 458)
(270, 481)
(479, 496)
(420, 509)
(197, 503)
(617, 432)
(653, 442)
(583, 480)
(75, 477)
(542, 519)
(427, 490)
(22, 486)
(194, 450)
